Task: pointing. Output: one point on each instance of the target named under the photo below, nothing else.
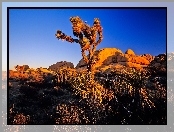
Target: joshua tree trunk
(90, 65)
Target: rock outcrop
(22, 68)
(159, 65)
(159, 61)
(61, 64)
(130, 52)
(109, 57)
(103, 57)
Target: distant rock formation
(22, 68)
(43, 70)
(61, 64)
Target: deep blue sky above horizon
(32, 33)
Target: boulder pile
(112, 57)
(61, 64)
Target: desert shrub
(57, 92)
(21, 119)
(28, 91)
(45, 100)
(118, 97)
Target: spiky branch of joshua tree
(87, 38)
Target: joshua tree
(87, 38)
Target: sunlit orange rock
(103, 57)
(130, 64)
(130, 52)
(109, 56)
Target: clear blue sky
(32, 33)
